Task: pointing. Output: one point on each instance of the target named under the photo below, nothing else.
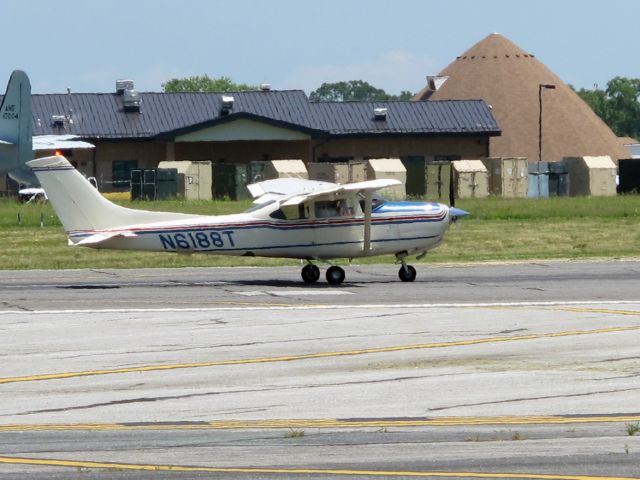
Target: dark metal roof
(424, 118)
(165, 115)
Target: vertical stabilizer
(16, 129)
(80, 207)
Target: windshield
(259, 206)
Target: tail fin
(16, 128)
(81, 207)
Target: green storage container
(230, 180)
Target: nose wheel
(407, 273)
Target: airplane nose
(456, 213)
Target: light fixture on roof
(380, 113)
(227, 104)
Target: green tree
(618, 105)
(204, 83)
(353, 90)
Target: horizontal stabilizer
(97, 238)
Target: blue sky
(299, 44)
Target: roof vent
(131, 100)
(58, 120)
(380, 114)
(122, 85)
(265, 87)
(227, 104)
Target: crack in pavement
(525, 399)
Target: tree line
(618, 104)
(352, 90)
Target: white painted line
(294, 293)
(323, 307)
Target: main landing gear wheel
(335, 275)
(310, 273)
(407, 273)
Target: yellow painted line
(290, 471)
(331, 423)
(309, 356)
(601, 310)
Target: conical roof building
(509, 79)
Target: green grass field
(498, 229)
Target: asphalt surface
(479, 371)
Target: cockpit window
(292, 212)
(344, 207)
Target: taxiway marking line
(309, 356)
(248, 306)
(601, 310)
(326, 423)
(290, 471)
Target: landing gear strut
(406, 273)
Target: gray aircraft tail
(16, 129)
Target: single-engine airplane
(292, 218)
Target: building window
(121, 172)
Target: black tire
(407, 274)
(310, 273)
(335, 275)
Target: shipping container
(349, 172)
(285, 169)
(194, 178)
(508, 176)
(595, 176)
(389, 168)
(230, 181)
(438, 182)
(470, 179)
(538, 180)
(629, 172)
(558, 179)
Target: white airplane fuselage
(293, 219)
(395, 227)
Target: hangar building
(134, 130)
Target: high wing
(294, 191)
(279, 188)
(337, 190)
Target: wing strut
(368, 195)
